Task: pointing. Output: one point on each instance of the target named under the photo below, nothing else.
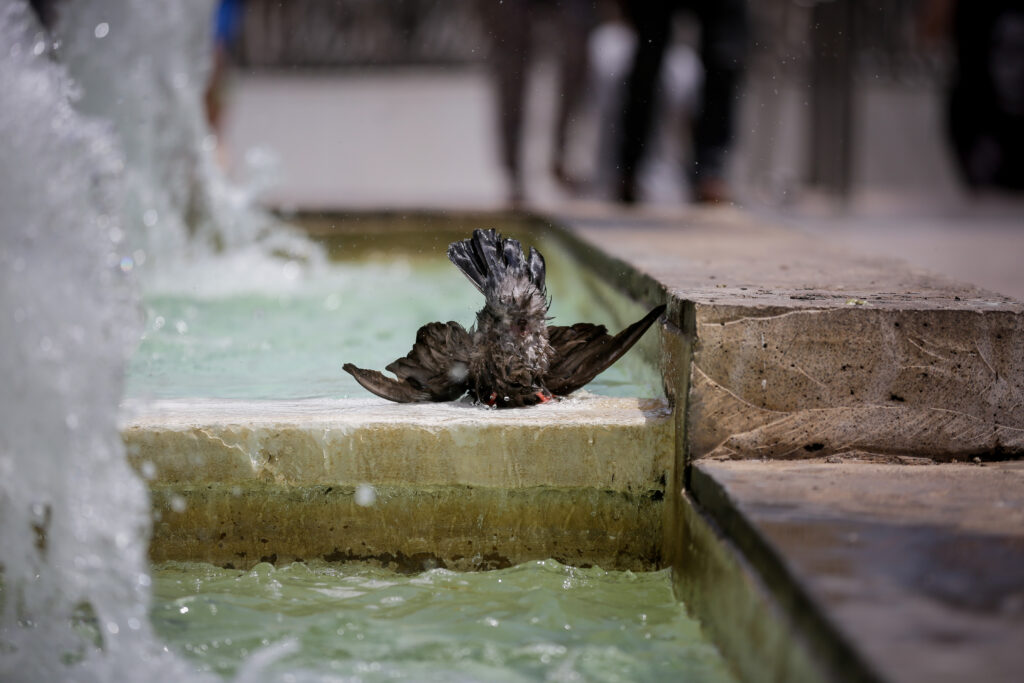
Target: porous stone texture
(408, 486)
(815, 382)
(798, 349)
(918, 569)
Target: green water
(267, 341)
(536, 621)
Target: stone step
(456, 485)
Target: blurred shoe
(626, 192)
(712, 191)
(516, 195)
(567, 181)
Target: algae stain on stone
(460, 527)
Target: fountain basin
(284, 473)
(751, 309)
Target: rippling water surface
(284, 334)
(536, 621)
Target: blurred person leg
(610, 59)
(575, 21)
(508, 25)
(46, 11)
(227, 22)
(986, 101)
(652, 23)
(723, 46)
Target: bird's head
(519, 310)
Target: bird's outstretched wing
(583, 351)
(436, 369)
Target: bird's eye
(521, 322)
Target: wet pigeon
(512, 357)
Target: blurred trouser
(509, 25)
(723, 42)
(986, 102)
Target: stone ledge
(791, 348)
(577, 442)
(729, 258)
(915, 570)
(451, 484)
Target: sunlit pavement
(424, 138)
(974, 240)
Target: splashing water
(105, 159)
(143, 66)
(533, 622)
(73, 516)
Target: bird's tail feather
(487, 259)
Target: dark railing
(320, 33)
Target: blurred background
(891, 127)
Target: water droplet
(183, 609)
(113, 628)
(159, 322)
(178, 503)
(181, 326)
(458, 372)
(365, 495)
(127, 264)
(102, 29)
(39, 48)
(150, 217)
